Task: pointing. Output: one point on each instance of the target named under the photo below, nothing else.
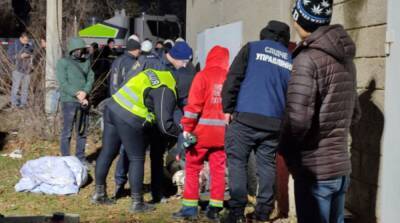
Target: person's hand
(228, 118)
(81, 95)
(84, 102)
(25, 55)
(186, 135)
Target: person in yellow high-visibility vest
(146, 99)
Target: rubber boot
(139, 206)
(100, 196)
(213, 213)
(186, 213)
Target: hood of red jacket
(218, 57)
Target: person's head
(76, 47)
(111, 42)
(276, 31)
(43, 43)
(180, 55)
(146, 46)
(168, 44)
(159, 45)
(310, 15)
(133, 47)
(24, 38)
(93, 47)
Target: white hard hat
(134, 37)
(147, 46)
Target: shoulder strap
(78, 67)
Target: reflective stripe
(127, 103)
(213, 122)
(190, 203)
(130, 93)
(216, 203)
(191, 115)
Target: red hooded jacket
(203, 113)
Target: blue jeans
(70, 111)
(20, 80)
(321, 201)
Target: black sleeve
(115, 76)
(236, 75)
(164, 104)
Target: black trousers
(240, 141)
(157, 144)
(132, 137)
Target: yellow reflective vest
(131, 95)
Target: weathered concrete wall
(366, 22)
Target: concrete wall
(255, 14)
(366, 21)
(390, 168)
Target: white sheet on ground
(52, 175)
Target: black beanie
(132, 45)
(311, 14)
(277, 31)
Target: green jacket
(70, 78)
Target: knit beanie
(311, 14)
(132, 45)
(276, 31)
(181, 51)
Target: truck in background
(120, 27)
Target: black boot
(119, 191)
(139, 206)
(100, 196)
(213, 213)
(234, 216)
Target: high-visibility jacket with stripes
(131, 95)
(203, 114)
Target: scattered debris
(16, 154)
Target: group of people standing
(269, 100)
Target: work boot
(213, 213)
(234, 216)
(186, 213)
(139, 206)
(254, 217)
(100, 196)
(262, 213)
(119, 191)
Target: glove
(186, 135)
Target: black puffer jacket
(322, 103)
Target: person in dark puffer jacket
(322, 103)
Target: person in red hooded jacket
(203, 117)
